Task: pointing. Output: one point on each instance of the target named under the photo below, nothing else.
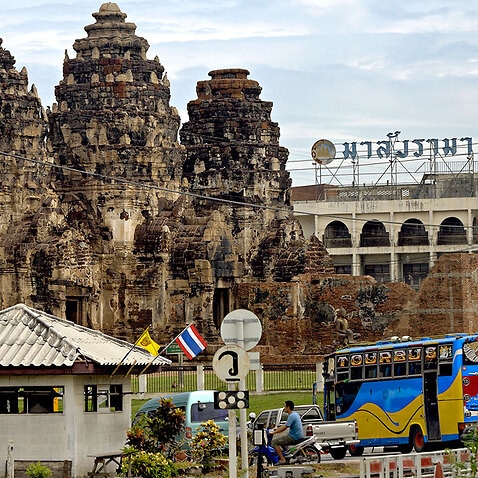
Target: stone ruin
(107, 219)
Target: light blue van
(198, 407)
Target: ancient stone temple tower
(108, 220)
(113, 119)
(21, 181)
(233, 145)
(233, 154)
(23, 192)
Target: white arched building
(392, 232)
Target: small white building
(62, 395)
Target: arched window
(337, 234)
(374, 234)
(451, 231)
(413, 233)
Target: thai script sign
(416, 147)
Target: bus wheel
(417, 439)
(356, 450)
(338, 453)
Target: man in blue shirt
(289, 433)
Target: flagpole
(164, 348)
(131, 368)
(129, 351)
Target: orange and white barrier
(419, 465)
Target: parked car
(333, 437)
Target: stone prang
(112, 222)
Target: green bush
(37, 470)
(158, 431)
(208, 443)
(147, 465)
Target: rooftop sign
(394, 148)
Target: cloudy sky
(343, 70)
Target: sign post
(175, 349)
(243, 328)
(231, 364)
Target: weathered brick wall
(301, 320)
(448, 298)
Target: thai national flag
(191, 342)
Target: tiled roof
(32, 338)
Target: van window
(203, 411)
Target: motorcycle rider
(289, 433)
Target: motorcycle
(306, 450)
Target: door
(430, 393)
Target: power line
(142, 185)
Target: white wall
(71, 435)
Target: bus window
(356, 373)
(430, 357)
(399, 369)
(356, 369)
(445, 369)
(342, 367)
(414, 360)
(371, 360)
(346, 393)
(414, 368)
(385, 370)
(385, 361)
(399, 362)
(371, 372)
(445, 358)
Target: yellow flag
(147, 343)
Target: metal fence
(186, 378)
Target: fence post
(200, 377)
(259, 379)
(143, 383)
(319, 378)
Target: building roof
(32, 338)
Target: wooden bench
(103, 464)
(59, 468)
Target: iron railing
(186, 378)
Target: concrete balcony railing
(412, 239)
(338, 242)
(374, 241)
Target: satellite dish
(323, 151)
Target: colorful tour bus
(403, 392)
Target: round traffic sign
(241, 327)
(231, 363)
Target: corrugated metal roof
(30, 337)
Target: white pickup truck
(334, 437)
